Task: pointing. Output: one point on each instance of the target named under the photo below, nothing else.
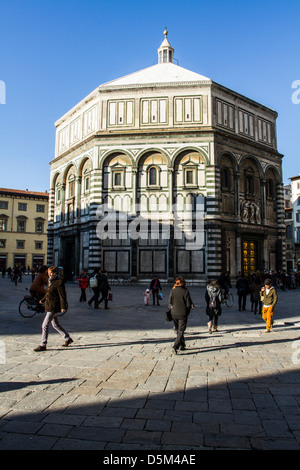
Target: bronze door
(249, 257)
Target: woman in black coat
(180, 303)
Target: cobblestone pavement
(119, 387)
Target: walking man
(269, 299)
(55, 301)
(104, 289)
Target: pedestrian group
(49, 289)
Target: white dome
(159, 73)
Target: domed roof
(156, 74)
(163, 72)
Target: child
(147, 294)
(268, 296)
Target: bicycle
(227, 298)
(30, 306)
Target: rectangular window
(264, 131)
(188, 109)
(71, 188)
(75, 130)
(189, 176)
(120, 113)
(63, 139)
(39, 226)
(21, 226)
(58, 195)
(154, 111)
(2, 243)
(246, 123)
(38, 245)
(87, 184)
(22, 206)
(89, 120)
(3, 204)
(21, 244)
(117, 179)
(40, 208)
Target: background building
(158, 137)
(289, 223)
(295, 200)
(23, 228)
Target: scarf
(51, 279)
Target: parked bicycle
(118, 281)
(227, 298)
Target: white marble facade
(160, 138)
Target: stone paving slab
(119, 388)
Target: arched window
(153, 176)
(225, 178)
(270, 189)
(71, 187)
(3, 223)
(249, 181)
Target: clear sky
(54, 53)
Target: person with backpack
(94, 282)
(213, 297)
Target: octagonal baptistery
(165, 172)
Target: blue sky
(54, 53)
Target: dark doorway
(69, 260)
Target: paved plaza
(119, 387)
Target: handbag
(169, 315)
(110, 296)
(160, 296)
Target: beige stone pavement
(118, 387)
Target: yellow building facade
(23, 228)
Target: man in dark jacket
(55, 301)
(180, 303)
(242, 286)
(104, 289)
